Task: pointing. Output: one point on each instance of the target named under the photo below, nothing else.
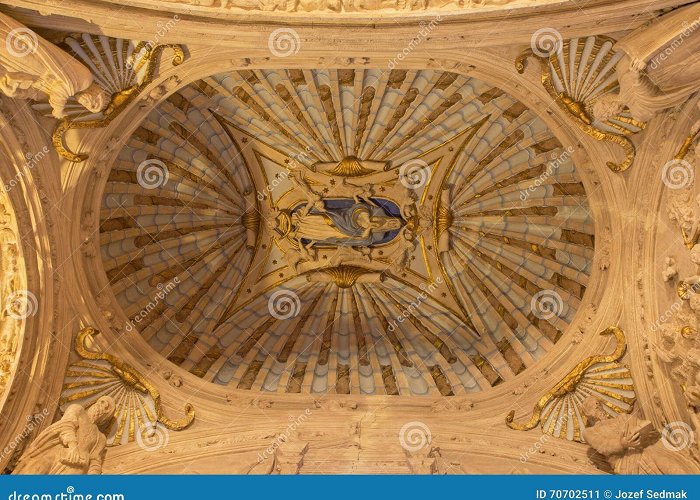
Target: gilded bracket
(119, 100)
(576, 109)
(687, 143)
(100, 373)
(345, 276)
(558, 410)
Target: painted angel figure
(407, 245)
(314, 200)
(360, 193)
(358, 225)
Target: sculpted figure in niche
(637, 92)
(33, 68)
(73, 445)
(626, 443)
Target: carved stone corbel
(34, 68)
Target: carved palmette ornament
(558, 412)
(114, 66)
(122, 68)
(138, 408)
(578, 74)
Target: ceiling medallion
(409, 232)
(340, 222)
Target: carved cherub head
(102, 410)
(606, 106)
(92, 98)
(593, 411)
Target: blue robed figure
(361, 224)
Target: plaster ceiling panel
(411, 232)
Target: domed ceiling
(352, 231)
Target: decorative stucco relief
(347, 5)
(138, 415)
(13, 299)
(559, 411)
(34, 68)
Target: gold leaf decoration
(122, 68)
(138, 405)
(578, 74)
(345, 276)
(559, 411)
(349, 166)
(687, 144)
